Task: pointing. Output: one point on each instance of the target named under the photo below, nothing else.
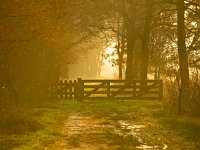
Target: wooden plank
(121, 98)
(75, 92)
(94, 90)
(122, 81)
(80, 90)
(111, 86)
(120, 86)
(94, 86)
(119, 92)
(148, 92)
(145, 90)
(116, 92)
(70, 89)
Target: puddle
(88, 133)
(147, 147)
(127, 128)
(130, 126)
(135, 130)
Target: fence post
(60, 89)
(108, 89)
(66, 89)
(70, 89)
(134, 89)
(75, 89)
(62, 84)
(161, 90)
(80, 89)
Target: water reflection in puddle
(127, 129)
(147, 147)
(130, 126)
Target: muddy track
(89, 132)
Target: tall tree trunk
(145, 40)
(119, 52)
(128, 14)
(122, 50)
(129, 62)
(183, 58)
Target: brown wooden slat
(94, 90)
(118, 92)
(94, 86)
(120, 86)
(121, 98)
(122, 81)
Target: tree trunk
(129, 62)
(145, 40)
(128, 14)
(119, 52)
(183, 58)
(122, 51)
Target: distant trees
(33, 38)
(37, 38)
(166, 31)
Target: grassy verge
(122, 108)
(49, 119)
(188, 127)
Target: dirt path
(118, 131)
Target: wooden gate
(120, 89)
(109, 89)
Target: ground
(111, 125)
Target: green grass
(104, 108)
(49, 118)
(185, 128)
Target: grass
(104, 108)
(49, 119)
(185, 128)
(18, 124)
(43, 128)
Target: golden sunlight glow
(107, 70)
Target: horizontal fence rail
(108, 89)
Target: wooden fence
(108, 89)
(64, 90)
